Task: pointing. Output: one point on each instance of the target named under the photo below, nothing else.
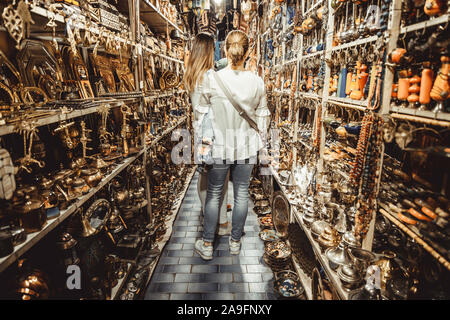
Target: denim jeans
(202, 189)
(216, 178)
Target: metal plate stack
(277, 255)
(302, 249)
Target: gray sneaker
(206, 252)
(235, 247)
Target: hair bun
(237, 45)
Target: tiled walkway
(182, 274)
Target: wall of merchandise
(90, 97)
(359, 90)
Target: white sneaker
(224, 231)
(206, 252)
(235, 247)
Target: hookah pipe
(425, 87)
(403, 86)
(356, 93)
(414, 89)
(440, 91)
(348, 82)
(343, 81)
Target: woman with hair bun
(236, 139)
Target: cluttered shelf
(343, 294)
(46, 117)
(415, 235)
(156, 19)
(33, 238)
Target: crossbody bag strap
(236, 106)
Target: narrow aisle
(182, 274)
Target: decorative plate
(266, 221)
(288, 285)
(269, 235)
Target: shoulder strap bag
(236, 106)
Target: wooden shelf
(426, 24)
(355, 43)
(166, 132)
(312, 55)
(115, 291)
(61, 19)
(164, 56)
(441, 117)
(348, 103)
(155, 19)
(58, 115)
(332, 275)
(385, 211)
(305, 280)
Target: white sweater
(234, 139)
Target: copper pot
(329, 238)
(92, 176)
(32, 215)
(79, 186)
(49, 198)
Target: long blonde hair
(201, 59)
(237, 45)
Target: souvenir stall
(90, 97)
(353, 204)
(359, 191)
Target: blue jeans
(216, 178)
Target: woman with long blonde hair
(200, 62)
(234, 99)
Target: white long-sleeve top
(234, 139)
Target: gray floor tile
(183, 240)
(245, 260)
(179, 234)
(223, 253)
(233, 268)
(180, 223)
(194, 234)
(257, 268)
(177, 269)
(218, 277)
(188, 277)
(174, 246)
(181, 253)
(253, 253)
(172, 287)
(250, 296)
(193, 260)
(258, 287)
(205, 268)
(182, 275)
(233, 287)
(218, 296)
(267, 276)
(188, 246)
(169, 260)
(185, 296)
(247, 277)
(203, 287)
(157, 296)
(163, 277)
